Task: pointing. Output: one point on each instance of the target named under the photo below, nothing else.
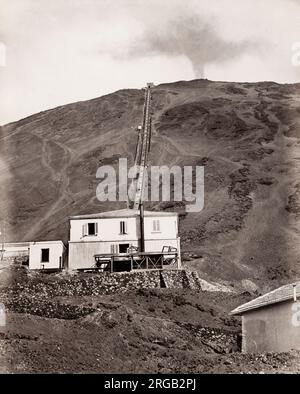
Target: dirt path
(57, 177)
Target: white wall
(56, 252)
(272, 328)
(108, 229)
(83, 248)
(16, 249)
(81, 254)
(168, 227)
(156, 245)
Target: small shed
(12, 250)
(271, 322)
(47, 255)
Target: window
(123, 227)
(90, 229)
(45, 255)
(123, 248)
(156, 226)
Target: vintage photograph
(149, 188)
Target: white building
(47, 255)
(40, 255)
(118, 232)
(10, 250)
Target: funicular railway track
(138, 259)
(142, 150)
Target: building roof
(27, 244)
(46, 242)
(123, 213)
(283, 293)
(17, 244)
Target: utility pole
(2, 235)
(142, 230)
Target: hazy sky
(62, 51)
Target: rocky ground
(145, 330)
(246, 135)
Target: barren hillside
(56, 324)
(247, 135)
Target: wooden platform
(136, 261)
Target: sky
(61, 51)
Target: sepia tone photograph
(150, 189)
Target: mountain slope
(247, 135)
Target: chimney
(295, 292)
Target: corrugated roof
(122, 213)
(280, 294)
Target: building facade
(40, 255)
(117, 232)
(271, 323)
(14, 249)
(47, 255)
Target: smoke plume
(190, 37)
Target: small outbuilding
(47, 255)
(11, 251)
(271, 322)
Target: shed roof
(47, 242)
(17, 244)
(123, 213)
(26, 244)
(283, 293)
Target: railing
(143, 149)
(136, 261)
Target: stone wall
(93, 284)
(90, 284)
(180, 279)
(19, 258)
(220, 340)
